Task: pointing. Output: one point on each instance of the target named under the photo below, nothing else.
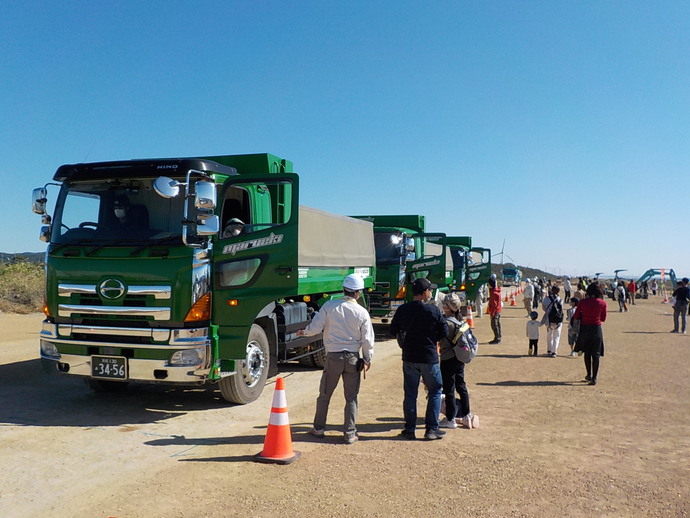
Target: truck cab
(478, 274)
(395, 246)
(189, 271)
(435, 263)
(511, 276)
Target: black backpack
(555, 311)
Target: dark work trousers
(496, 325)
(533, 346)
(453, 374)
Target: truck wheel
(247, 384)
(315, 359)
(102, 386)
(319, 357)
(305, 361)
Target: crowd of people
(427, 334)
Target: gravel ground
(548, 445)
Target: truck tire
(305, 361)
(319, 357)
(315, 359)
(247, 384)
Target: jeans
(342, 364)
(431, 374)
(453, 374)
(680, 310)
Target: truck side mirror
(209, 226)
(39, 200)
(166, 187)
(45, 234)
(205, 195)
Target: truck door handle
(284, 269)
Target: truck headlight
(48, 350)
(188, 357)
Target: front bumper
(56, 340)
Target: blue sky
(560, 127)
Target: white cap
(452, 301)
(353, 282)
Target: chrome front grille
(84, 302)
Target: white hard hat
(353, 282)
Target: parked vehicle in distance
(511, 276)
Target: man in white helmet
(347, 329)
(528, 295)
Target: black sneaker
(407, 434)
(588, 378)
(593, 381)
(434, 435)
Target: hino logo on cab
(168, 166)
(111, 289)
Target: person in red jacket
(632, 290)
(591, 312)
(495, 305)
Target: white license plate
(109, 367)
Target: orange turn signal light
(201, 310)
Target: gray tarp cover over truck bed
(327, 239)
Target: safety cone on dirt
(512, 300)
(278, 442)
(469, 318)
(506, 297)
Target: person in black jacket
(680, 306)
(423, 327)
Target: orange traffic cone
(469, 318)
(512, 300)
(506, 298)
(278, 442)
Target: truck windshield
(388, 247)
(122, 212)
(459, 258)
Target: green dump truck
(396, 245)
(435, 262)
(189, 271)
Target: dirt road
(548, 445)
